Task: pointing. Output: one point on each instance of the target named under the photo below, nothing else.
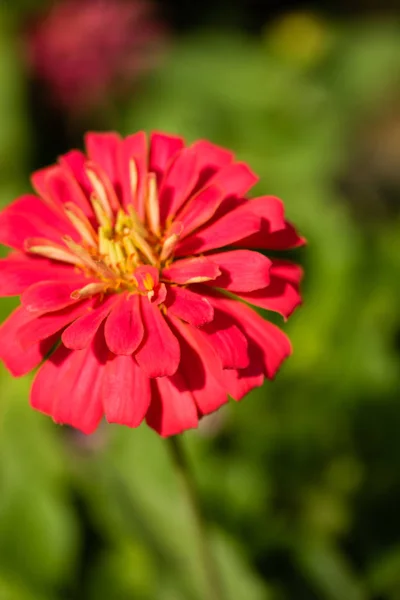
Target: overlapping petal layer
(136, 265)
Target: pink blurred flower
(85, 50)
(136, 262)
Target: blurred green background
(301, 480)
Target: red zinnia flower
(83, 48)
(131, 266)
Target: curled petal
(189, 306)
(241, 270)
(191, 270)
(18, 359)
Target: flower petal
(124, 328)
(82, 331)
(233, 226)
(227, 340)
(159, 353)
(48, 296)
(235, 179)
(29, 217)
(75, 161)
(178, 182)
(282, 295)
(274, 345)
(134, 148)
(103, 149)
(191, 270)
(17, 359)
(275, 232)
(200, 209)
(61, 188)
(162, 149)
(40, 328)
(200, 370)
(126, 392)
(189, 306)
(19, 271)
(210, 159)
(172, 409)
(77, 401)
(241, 270)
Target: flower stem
(178, 454)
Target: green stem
(188, 483)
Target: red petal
(227, 340)
(42, 327)
(75, 162)
(61, 187)
(103, 149)
(199, 370)
(282, 294)
(231, 227)
(241, 270)
(191, 270)
(48, 296)
(18, 272)
(275, 233)
(200, 209)
(124, 328)
(126, 392)
(189, 306)
(162, 149)
(273, 343)
(82, 331)
(239, 382)
(210, 159)
(177, 183)
(29, 217)
(172, 409)
(159, 353)
(134, 147)
(68, 387)
(236, 179)
(17, 359)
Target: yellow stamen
(148, 282)
(101, 216)
(143, 247)
(169, 246)
(100, 191)
(88, 290)
(152, 204)
(81, 223)
(133, 177)
(50, 250)
(82, 254)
